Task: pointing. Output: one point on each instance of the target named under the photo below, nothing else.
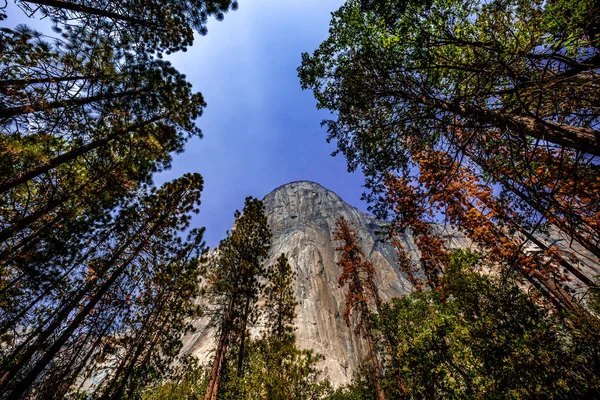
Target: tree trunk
(61, 317)
(75, 374)
(375, 363)
(42, 106)
(219, 361)
(240, 363)
(90, 10)
(586, 140)
(71, 155)
(41, 364)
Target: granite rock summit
(302, 217)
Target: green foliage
(280, 300)
(275, 371)
(134, 25)
(97, 279)
(274, 368)
(187, 383)
(362, 386)
(486, 339)
(234, 275)
(122, 301)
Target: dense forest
(480, 114)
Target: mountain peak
(302, 216)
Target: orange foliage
(454, 188)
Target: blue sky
(260, 129)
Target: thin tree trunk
(31, 218)
(17, 82)
(217, 367)
(241, 355)
(91, 10)
(42, 106)
(8, 255)
(41, 364)
(71, 155)
(543, 206)
(128, 363)
(145, 361)
(65, 388)
(64, 313)
(376, 367)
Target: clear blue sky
(260, 129)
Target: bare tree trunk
(375, 363)
(240, 364)
(42, 106)
(70, 156)
(219, 361)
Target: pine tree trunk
(42, 106)
(241, 355)
(219, 361)
(90, 10)
(586, 140)
(29, 379)
(75, 374)
(376, 367)
(71, 155)
(41, 364)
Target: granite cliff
(302, 217)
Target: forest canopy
(479, 115)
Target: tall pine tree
(362, 296)
(235, 287)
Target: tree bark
(586, 140)
(219, 361)
(61, 317)
(376, 367)
(240, 364)
(41, 364)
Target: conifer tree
(362, 296)
(66, 163)
(280, 300)
(105, 291)
(505, 90)
(279, 339)
(235, 287)
(143, 26)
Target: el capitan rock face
(302, 217)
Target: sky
(261, 130)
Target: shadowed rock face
(302, 217)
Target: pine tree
(63, 169)
(513, 119)
(279, 339)
(234, 278)
(280, 300)
(106, 293)
(362, 296)
(144, 26)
